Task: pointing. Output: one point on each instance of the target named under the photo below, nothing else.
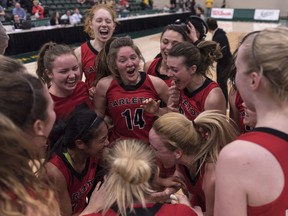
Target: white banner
(222, 13)
(269, 15)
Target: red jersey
(165, 209)
(78, 184)
(241, 113)
(192, 103)
(154, 71)
(276, 142)
(194, 186)
(123, 105)
(88, 57)
(63, 106)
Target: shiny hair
(22, 99)
(266, 53)
(177, 28)
(47, 55)
(203, 138)
(101, 65)
(10, 65)
(90, 14)
(114, 48)
(132, 169)
(21, 190)
(203, 55)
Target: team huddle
(147, 138)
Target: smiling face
(179, 72)
(169, 38)
(166, 156)
(98, 143)
(102, 25)
(65, 74)
(127, 63)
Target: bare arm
(100, 100)
(209, 188)
(77, 52)
(242, 179)
(59, 182)
(216, 101)
(147, 65)
(152, 106)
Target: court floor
(149, 45)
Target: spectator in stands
(192, 7)
(219, 36)
(17, 22)
(66, 18)
(4, 39)
(37, 10)
(19, 11)
(200, 12)
(124, 5)
(144, 5)
(209, 5)
(2, 14)
(76, 18)
(3, 3)
(172, 4)
(55, 18)
(223, 4)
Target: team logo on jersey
(125, 101)
(78, 194)
(187, 108)
(90, 70)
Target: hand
(172, 181)
(182, 199)
(97, 199)
(162, 196)
(91, 93)
(151, 106)
(192, 32)
(174, 97)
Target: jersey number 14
(134, 121)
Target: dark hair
(102, 69)
(22, 99)
(81, 124)
(203, 55)
(198, 23)
(212, 23)
(177, 28)
(47, 55)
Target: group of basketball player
(127, 140)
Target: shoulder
(103, 84)
(54, 173)
(147, 65)
(158, 83)
(77, 52)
